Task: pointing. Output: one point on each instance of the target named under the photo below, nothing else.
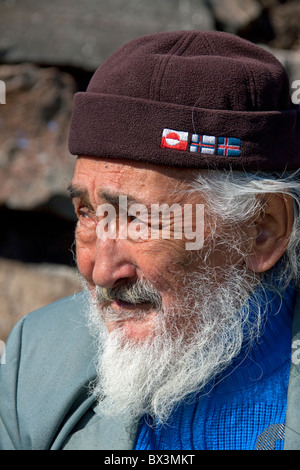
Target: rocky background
(48, 50)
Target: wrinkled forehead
(142, 180)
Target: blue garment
(247, 398)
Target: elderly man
(187, 241)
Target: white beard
(193, 342)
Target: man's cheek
(84, 260)
(162, 261)
(84, 236)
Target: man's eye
(85, 215)
(82, 213)
(135, 220)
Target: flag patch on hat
(174, 139)
(203, 144)
(229, 146)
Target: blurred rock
(34, 160)
(272, 22)
(235, 15)
(285, 21)
(83, 33)
(26, 287)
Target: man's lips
(122, 305)
(126, 311)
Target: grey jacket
(45, 401)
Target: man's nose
(113, 263)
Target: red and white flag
(174, 139)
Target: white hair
(234, 198)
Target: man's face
(173, 317)
(118, 262)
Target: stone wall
(48, 50)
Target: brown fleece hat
(191, 99)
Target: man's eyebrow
(78, 192)
(114, 198)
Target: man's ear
(271, 232)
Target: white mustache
(141, 292)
